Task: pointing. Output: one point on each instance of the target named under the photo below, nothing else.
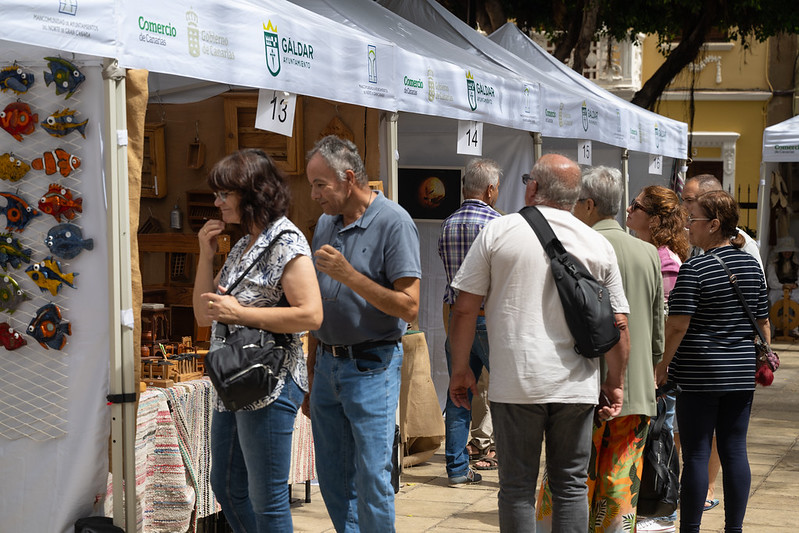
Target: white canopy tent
(780, 145)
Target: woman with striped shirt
(711, 356)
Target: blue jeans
(250, 460)
(699, 414)
(458, 419)
(353, 414)
(519, 430)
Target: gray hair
(340, 155)
(480, 173)
(706, 183)
(604, 186)
(558, 179)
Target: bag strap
(264, 252)
(552, 245)
(741, 298)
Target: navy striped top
(717, 352)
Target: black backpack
(586, 302)
(660, 478)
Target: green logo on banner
(272, 49)
(471, 90)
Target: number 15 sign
(276, 111)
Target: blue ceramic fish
(16, 79)
(64, 74)
(17, 211)
(66, 241)
(49, 277)
(11, 252)
(48, 328)
(11, 294)
(64, 122)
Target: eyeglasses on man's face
(526, 178)
(222, 195)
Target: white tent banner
(781, 141)
(279, 46)
(65, 25)
(572, 116)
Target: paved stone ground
(426, 503)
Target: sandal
(710, 504)
(490, 460)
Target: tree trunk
(686, 52)
(565, 45)
(583, 46)
(490, 15)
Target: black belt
(356, 351)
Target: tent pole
(122, 391)
(763, 209)
(392, 134)
(625, 177)
(538, 146)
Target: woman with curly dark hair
(657, 217)
(251, 447)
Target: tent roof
(639, 130)
(781, 141)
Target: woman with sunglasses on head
(711, 357)
(251, 447)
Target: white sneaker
(648, 525)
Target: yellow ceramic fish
(48, 276)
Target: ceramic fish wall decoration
(12, 168)
(48, 328)
(64, 122)
(17, 211)
(11, 294)
(48, 276)
(58, 160)
(18, 119)
(58, 201)
(16, 79)
(66, 241)
(12, 253)
(64, 74)
(10, 338)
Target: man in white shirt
(539, 383)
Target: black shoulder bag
(245, 368)
(586, 302)
(766, 360)
(660, 475)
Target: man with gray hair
(540, 386)
(613, 483)
(458, 231)
(366, 252)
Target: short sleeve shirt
(262, 288)
(717, 352)
(383, 245)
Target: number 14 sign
(276, 111)
(470, 137)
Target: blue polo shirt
(383, 245)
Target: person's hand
(661, 374)
(222, 308)
(459, 386)
(333, 263)
(610, 406)
(207, 236)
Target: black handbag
(660, 475)
(586, 302)
(245, 368)
(766, 360)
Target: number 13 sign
(276, 111)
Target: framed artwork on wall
(429, 193)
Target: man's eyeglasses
(635, 204)
(222, 195)
(526, 178)
(691, 219)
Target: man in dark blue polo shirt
(366, 252)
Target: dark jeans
(698, 415)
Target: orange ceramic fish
(58, 201)
(18, 120)
(56, 161)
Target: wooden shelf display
(240, 132)
(199, 208)
(153, 171)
